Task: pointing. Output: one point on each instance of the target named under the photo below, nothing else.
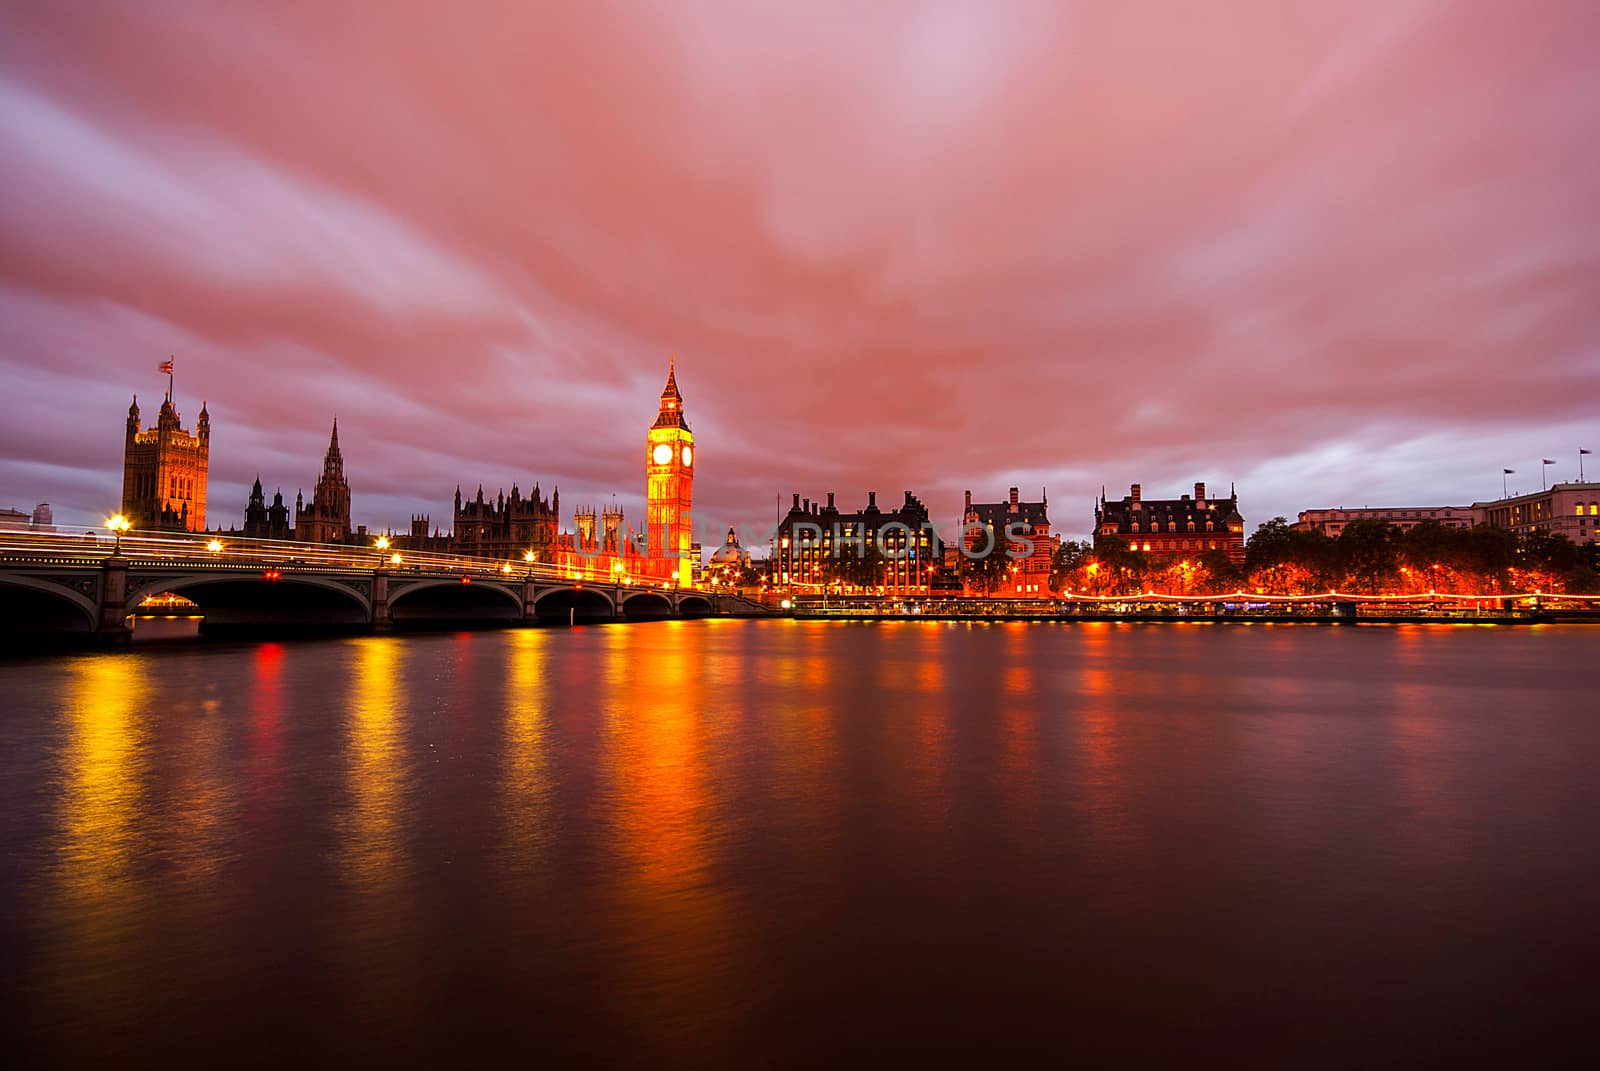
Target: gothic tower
(164, 470)
(327, 519)
(669, 481)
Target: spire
(256, 490)
(671, 412)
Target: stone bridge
(56, 591)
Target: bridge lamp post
(117, 524)
(382, 544)
(394, 559)
(215, 546)
(530, 558)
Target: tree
(984, 569)
(1067, 561)
(1369, 555)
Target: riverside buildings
(1018, 528)
(1569, 509)
(1331, 522)
(892, 552)
(1181, 525)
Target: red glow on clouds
(1340, 253)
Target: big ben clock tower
(669, 472)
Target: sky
(1336, 254)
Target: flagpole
(171, 364)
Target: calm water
(729, 842)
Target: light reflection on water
(786, 839)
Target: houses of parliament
(165, 467)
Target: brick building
(1173, 525)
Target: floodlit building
(1173, 525)
(164, 471)
(1015, 526)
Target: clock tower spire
(669, 482)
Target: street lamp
(215, 546)
(382, 544)
(118, 524)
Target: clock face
(688, 456)
(662, 454)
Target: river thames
(723, 842)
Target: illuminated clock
(662, 454)
(688, 456)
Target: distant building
(1331, 522)
(43, 519)
(816, 546)
(1173, 525)
(14, 520)
(1569, 509)
(262, 521)
(509, 526)
(729, 561)
(327, 518)
(164, 471)
(1011, 522)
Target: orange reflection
(373, 841)
(525, 788)
(99, 904)
(104, 764)
(654, 735)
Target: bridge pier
(381, 620)
(112, 626)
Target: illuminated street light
(382, 543)
(117, 524)
(215, 546)
(394, 559)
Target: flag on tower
(1581, 450)
(1547, 461)
(1509, 472)
(166, 367)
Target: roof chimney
(872, 500)
(1200, 496)
(1013, 500)
(830, 500)
(807, 505)
(1136, 496)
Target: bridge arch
(646, 603)
(694, 606)
(321, 597)
(77, 611)
(449, 600)
(570, 603)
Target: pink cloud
(1338, 253)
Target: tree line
(1367, 557)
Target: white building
(1332, 521)
(1569, 509)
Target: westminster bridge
(89, 583)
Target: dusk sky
(1338, 253)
